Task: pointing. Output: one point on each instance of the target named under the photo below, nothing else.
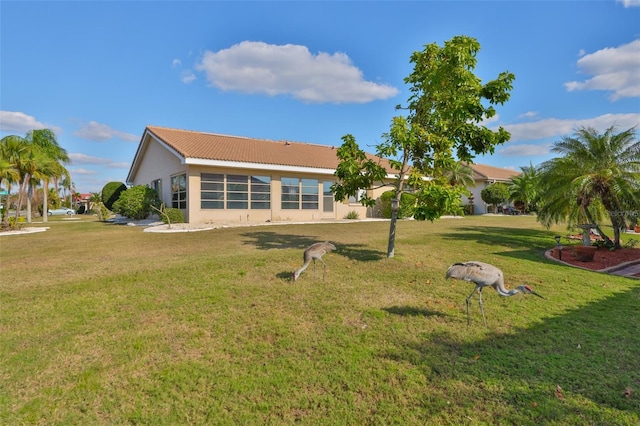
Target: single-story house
(484, 176)
(217, 178)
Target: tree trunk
(19, 201)
(602, 234)
(45, 201)
(392, 227)
(29, 193)
(618, 223)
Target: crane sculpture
(484, 275)
(314, 252)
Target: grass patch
(105, 324)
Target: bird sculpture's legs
(468, 301)
(481, 307)
(314, 269)
(479, 290)
(324, 268)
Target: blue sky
(98, 73)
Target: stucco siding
(158, 163)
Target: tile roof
(484, 172)
(212, 146)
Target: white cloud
(629, 3)
(257, 67)
(83, 172)
(187, 76)
(120, 165)
(14, 121)
(78, 158)
(529, 114)
(615, 69)
(176, 62)
(524, 150)
(487, 121)
(98, 132)
(553, 127)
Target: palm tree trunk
(45, 201)
(29, 194)
(602, 234)
(618, 223)
(21, 192)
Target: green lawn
(107, 324)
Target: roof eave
(147, 135)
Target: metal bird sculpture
(484, 275)
(314, 252)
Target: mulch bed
(603, 258)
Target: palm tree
(47, 143)
(524, 187)
(459, 174)
(8, 174)
(32, 167)
(596, 172)
(11, 149)
(68, 185)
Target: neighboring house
(82, 203)
(220, 178)
(484, 176)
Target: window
(211, 191)
(237, 192)
(309, 194)
(290, 193)
(327, 197)
(218, 191)
(300, 194)
(156, 185)
(179, 191)
(356, 199)
(260, 192)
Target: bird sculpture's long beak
(536, 294)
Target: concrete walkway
(627, 270)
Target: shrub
(16, 224)
(136, 202)
(407, 204)
(352, 215)
(631, 243)
(496, 193)
(173, 215)
(111, 192)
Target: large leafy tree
(447, 106)
(495, 194)
(598, 173)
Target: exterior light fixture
(558, 246)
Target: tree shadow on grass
(412, 311)
(592, 353)
(500, 236)
(269, 240)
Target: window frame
(178, 188)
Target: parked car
(61, 211)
